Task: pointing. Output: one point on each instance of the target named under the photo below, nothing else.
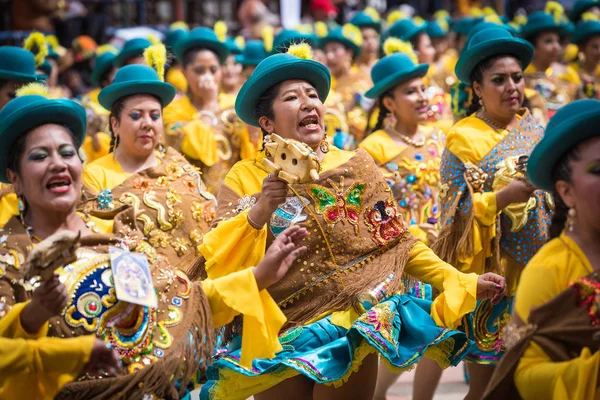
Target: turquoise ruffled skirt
(484, 327)
(400, 329)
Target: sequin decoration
(380, 318)
(340, 204)
(245, 203)
(288, 214)
(588, 297)
(475, 176)
(105, 200)
(288, 337)
(384, 222)
(489, 334)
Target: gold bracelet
(252, 223)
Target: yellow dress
(97, 124)
(8, 203)
(558, 85)
(45, 363)
(590, 84)
(549, 273)
(234, 244)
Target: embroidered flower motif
(245, 203)
(180, 246)
(380, 317)
(141, 184)
(105, 200)
(174, 170)
(475, 176)
(159, 238)
(197, 210)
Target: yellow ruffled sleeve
(233, 245)
(8, 207)
(237, 293)
(10, 325)
(38, 369)
(199, 143)
(458, 291)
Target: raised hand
(280, 256)
(491, 286)
(47, 301)
(274, 193)
(104, 360)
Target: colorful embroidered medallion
(384, 222)
(288, 214)
(588, 296)
(339, 205)
(105, 200)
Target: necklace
(491, 123)
(409, 140)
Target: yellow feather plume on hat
(371, 12)
(52, 40)
(267, 35)
(179, 25)
(353, 34)
(394, 45)
(220, 29)
(36, 43)
(475, 12)
(304, 28)
(156, 57)
(153, 39)
(106, 48)
(494, 19)
(418, 20)
(443, 24)
(321, 29)
(439, 14)
(555, 9)
(301, 50)
(34, 88)
(520, 20)
(488, 11)
(588, 16)
(240, 42)
(395, 16)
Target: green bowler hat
(103, 63)
(572, 124)
(464, 25)
(136, 79)
(580, 7)
(25, 113)
(391, 71)
(232, 46)
(253, 53)
(340, 35)
(276, 69)
(132, 48)
(540, 21)
(436, 30)
(18, 64)
(487, 43)
(204, 38)
(174, 36)
(406, 29)
(364, 20)
(585, 30)
(287, 37)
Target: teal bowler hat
(585, 30)
(571, 125)
(464, 25)
(274, 70)
(538, 22)
(391, 71)
(18, 64)
(202, 38)
(132, 48)
(488, 43)
(253, 53)
(174, 36)
(406, 29)
(46, 68)
(287, 37)
(363, 20)
(580, 7)
(52, 54)
(136, 79)
(232, 46)
(103, 63)
(436, 30)
(337, 36)
(25, 113)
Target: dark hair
(264, 105)
(115, 111)
(477, 76)
(383, 112)
(17, 149)
(3, 82)
(414, 41)
(561, 172)
(190, 55)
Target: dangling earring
(22, 207)
(571, 219)
(482, 104)
(324, 146)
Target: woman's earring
(22, 207)
(571, 219)
(324, 146)
(482, 104)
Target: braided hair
(115, 112)
(383, 112)
(561, 172)
(264, 107)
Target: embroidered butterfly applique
(339, 204)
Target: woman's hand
(274, 193)
(103, 360)
(515, 192)
(210, 89)
(280, 256)
(47, 301)
(491, 286)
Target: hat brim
(471, 57)
(127, 54)
(98, 73)
(110, 94)
(188, 43)
(262, 80)
(346, 42)
(582, 35)
(550, 149)
(17, 76)
(373, 25)
(240, 59)
(61, 112)
(528, 32)
(393, 80)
